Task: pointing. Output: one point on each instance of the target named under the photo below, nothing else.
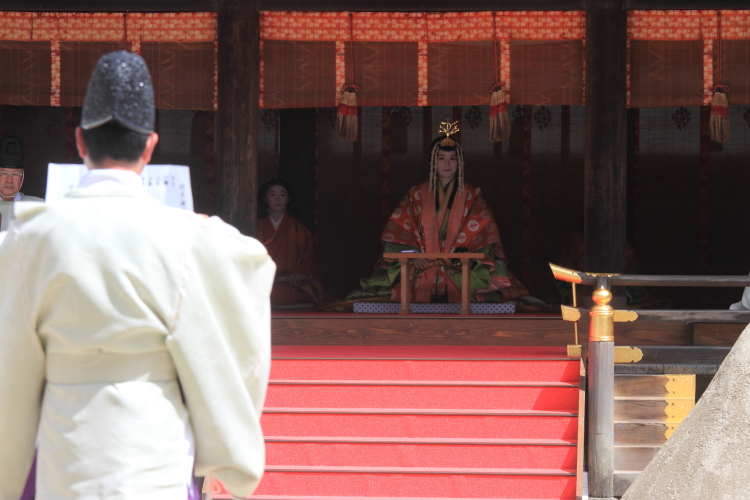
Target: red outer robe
(292, 248)
(470, 224)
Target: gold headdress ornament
(448, 129)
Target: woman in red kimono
(291, 246)
(442, 215)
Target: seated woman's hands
(421, 264)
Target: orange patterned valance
(678, 25)
(100, 27)
(126, 30)
(693, 26)
(422, 26)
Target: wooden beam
(237, 114)
(605, 146)
(685, 4)
(350, 5)
(109, 5)
(302, 5)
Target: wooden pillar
(606, 135)
(237, 114)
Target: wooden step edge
(654, 398)
(307, 497)
(420, 441)
(423, 359)
(421, 411)
(622, 479)
(644, 421)
(429, 383)
(631, 446)
(419, 470)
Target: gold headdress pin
(448, 129)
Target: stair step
(641, 385)
(541, 370)
(447, 441)
(421, 455)
(422, 383)
(647, 409)
(396, 482)
(424, 396)
(622, 481)
(634, 457)
(420, 352)
(473, 471)
(419, 411)
(640, 433)
(422, 423)
(307, 497)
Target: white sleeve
(221, 346)
(21, 371)
(744, 304)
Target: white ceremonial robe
(744, 304)
(129, 327)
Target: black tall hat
(11, 152)
(120, 90)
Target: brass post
(602, 323)
(601, 393)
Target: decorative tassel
(499, 121)
(719, 118)
(719, 121)
(347, 119)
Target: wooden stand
(404, 258)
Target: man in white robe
(11, 178)
(135, 340)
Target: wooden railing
(601, 348)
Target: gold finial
(602, 317)
(448, 128)
(602, 297)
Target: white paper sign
(170, 184)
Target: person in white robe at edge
(744, 304)
(135, 343)
(11, 178)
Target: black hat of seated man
(11, 152)
(120, 91)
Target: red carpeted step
(553, 396)
(359, 482)
(418, 352)
(307, 497)
(387, 452)
(508, 370)
(420, 424)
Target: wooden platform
(544, 329)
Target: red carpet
(419, 422)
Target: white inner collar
(111, 175)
